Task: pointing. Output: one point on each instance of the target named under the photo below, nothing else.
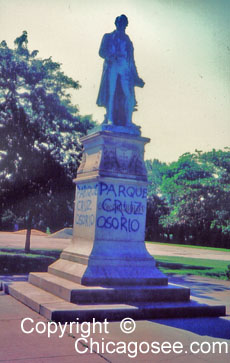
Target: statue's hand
(140, 83)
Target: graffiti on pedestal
(84, 212)
(120, 206)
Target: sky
(181, 49)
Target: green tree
(156, 205)
(219, 161)
(40, 131)
(189, 200)
(196, 188)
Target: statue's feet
(107, 122)
(129, 124)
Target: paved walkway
(18, 347)
(167, 250)
(15, 240)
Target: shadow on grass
(199, 267)
(16, 261)
(21, 251)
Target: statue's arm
(137, 80)
(105, 49)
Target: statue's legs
(120, 68)
(113, 75)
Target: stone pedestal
(106, 272)
(110, 210)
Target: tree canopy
(195, 192)
(39, 146)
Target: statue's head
(121, 22)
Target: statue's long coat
(106, 50)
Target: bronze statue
(119, 76)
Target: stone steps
(57, 309)
(81, 294)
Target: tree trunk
(28, 233)
(27, 244)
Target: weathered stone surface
(113, 154)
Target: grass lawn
(190, 246)
(193, 266)
(33, 252)
(16, 261)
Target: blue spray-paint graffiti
(85, 220)
(122, 190)
(117, 206)
(86, 190)
(121, 207)
(84, 197)
(84, 205)
(128, 225)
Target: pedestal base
(97, 274)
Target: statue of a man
(119, 76)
